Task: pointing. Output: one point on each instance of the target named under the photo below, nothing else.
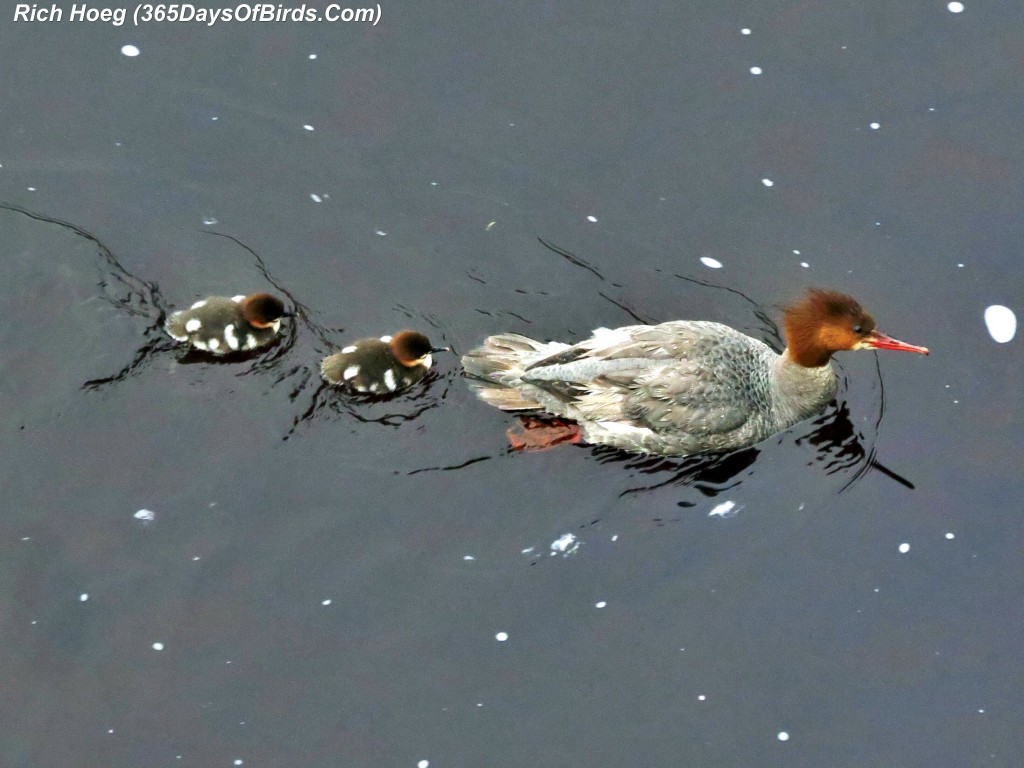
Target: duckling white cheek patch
(349, 349)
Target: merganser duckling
(222, 325)
(381, 366)
(683, 387)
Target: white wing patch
(350, 373)
(603, 338)
(237, 299)
(349, 349)
(250, 341)
(199, 304)
(229, 336)
(386, 339)
(389, 380)
(214, 344)
(193, 325)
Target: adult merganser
(381, 366)
(222, 325)
(682, 387)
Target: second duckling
(381, 366)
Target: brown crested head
(261, 310)
(824, 321)
(412, 348)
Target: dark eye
(858, 329)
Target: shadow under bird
(381, 366)
(682, 387)
(221, 325)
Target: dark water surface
(446, 142)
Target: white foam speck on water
(215, 118)
(501, 637)
(158, 646)
(380, 232)
(783, 736)
(209, 221)
(875, 126)
(725, 509)
(805, 265)
(756, 70)
(315, 197)
(600, 604)
(615, 537)
(565, 545)
(312, 56)
(195, 559)
(744, 31)
(950, 535)
(768, 182)
(433, 183)
(326, 601)
(130, 50)
(702, 697)
(239, 762)
(31, 189)
(711, 263)
(145, 516)
(1001, 323)
(904, 548)
(527, 551)
(956, 7)
(796, 252)
(468, 557)
(309, 127)
(423, 764)
(592, 219)
(83, 597)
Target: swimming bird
(222, 325)
(381, 366)
(682, 387)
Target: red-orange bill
(879, 340)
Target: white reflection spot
(1001, 323)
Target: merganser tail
(496, 368)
